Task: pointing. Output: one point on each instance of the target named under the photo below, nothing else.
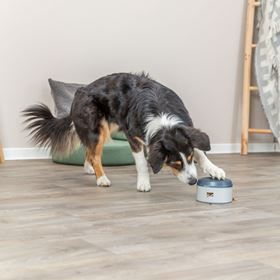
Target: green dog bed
(115, 152)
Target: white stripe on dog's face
(155, 123)
(188, 174)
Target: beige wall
(194, 47)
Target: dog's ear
(198, 139)
(157, 156)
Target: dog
(152, 116)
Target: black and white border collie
(153, 118)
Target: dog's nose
(192, 181)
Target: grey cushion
(63, 94)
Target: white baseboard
(226, 148)
(25, 153)
(234, 148)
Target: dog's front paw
(88, 168)
(103, 181)
(214, 171)
(143, 184)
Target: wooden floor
(56, 224)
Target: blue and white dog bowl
(213, 190)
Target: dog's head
(175, 148)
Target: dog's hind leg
(94, 155)
(88, 165)
(92, 129)
(207, 166)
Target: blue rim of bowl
(208, 182)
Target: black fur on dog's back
(47, 131)
(124, 100)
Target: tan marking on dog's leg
(140, 140)
(96, 160)
(96, 156)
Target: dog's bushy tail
(49, 132)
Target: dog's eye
(175, 164)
